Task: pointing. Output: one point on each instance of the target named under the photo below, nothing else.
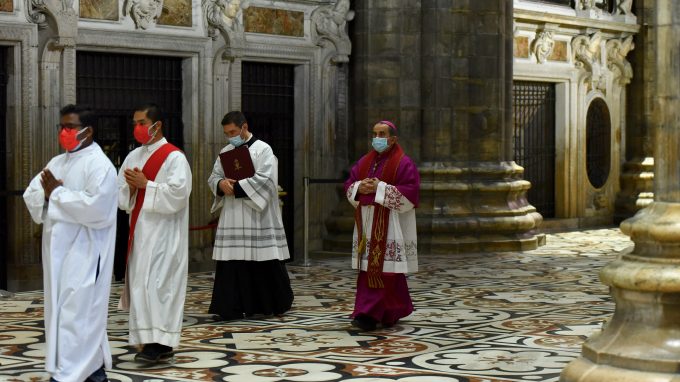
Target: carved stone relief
(224, 16)
(587, 56)
(330, 26)
(144, 13)
(617, 50)
(543, 46)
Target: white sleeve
(173, 195)
(390, 197)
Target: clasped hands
(369, 186)
(49, 182)
(135, 179)
(227, 186)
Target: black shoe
(154, 353)
(98, 376)
(364, 323)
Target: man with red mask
(75, 199)
(384, 187)
(154, 187)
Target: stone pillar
(638, 171)
(640, 343)
(473, 197)
(385, 75)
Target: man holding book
(250, 244)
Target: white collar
(155, 146)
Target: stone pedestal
(636, 192)
(642, 340)
(478, 208)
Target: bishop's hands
(135, 179)
(227, 186)
(49, 182)
(368, 186)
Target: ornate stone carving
(543, 46)
(36, 12)
(62, 14)
(225, 16)
(587, 56)
(587, 4)
(624, 7)
(143, 12)
(617, 50)
(330, 26)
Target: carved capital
(144, 13)
(225, 17)
(586, 51)
(543, 46)
(329, 28)
(617, 50)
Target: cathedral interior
(545, 133)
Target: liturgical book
(237, 163)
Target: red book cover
(237, 163)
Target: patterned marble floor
(479, 318)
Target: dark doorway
(4, 237)
(114, 84)
(534, 139)
(268, 99)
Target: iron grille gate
(114, 84)
(534, 139)
(268, 101)
(3, 167)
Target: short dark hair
(153, 112)
(86, 115)
(235, 117)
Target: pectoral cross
(237, 165)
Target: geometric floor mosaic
(478, 318)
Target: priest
(74, 198)
(384, 189)
(154, 187)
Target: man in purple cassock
(384, 187)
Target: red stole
(150, 170)
(381, 217)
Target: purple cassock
(388, 304)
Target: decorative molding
(144, 13)
(617, 50)
(225, 17)
(543, 46)
(330, 28)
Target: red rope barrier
(203, 228)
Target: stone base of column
(642, 341)
(476, 208)
(582, 370)
(637, 188)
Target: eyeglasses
(68, 126)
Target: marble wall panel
(274, 21)
(99, 9)
(176, 13)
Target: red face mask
(68, 139)
(142, 133)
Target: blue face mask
(379, 144)
(237, 141)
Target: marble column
(641, 341)
(473, 196)
(637, 177)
